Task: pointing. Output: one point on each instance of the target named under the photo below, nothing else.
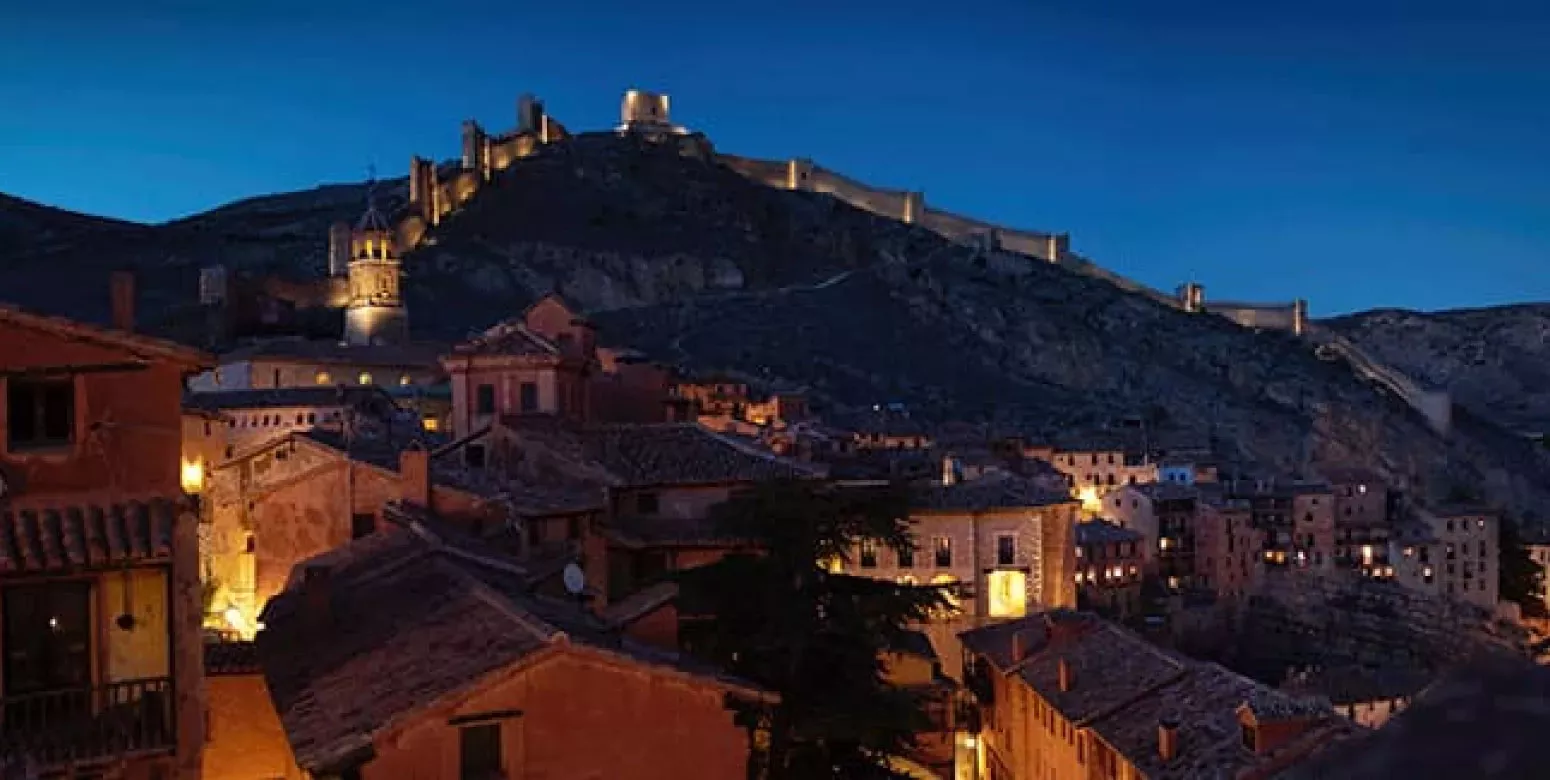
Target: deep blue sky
(1359, 154)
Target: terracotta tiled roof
(509, 338)
(1122, 687)
(638, 532)
(392, 623)
(1351, 475)
(1166, 491)
(414, 355)
(1354, 684)
(350, 395)
(993, 491)
(141, 346)
(646, 454)
(87, 536)
(1104, 532)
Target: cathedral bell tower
(375, 313)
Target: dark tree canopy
(784, 620)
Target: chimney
(414, 476)
(1063, 673)
(1167, 739)
(1020, 647)
(122, 291)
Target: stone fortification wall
(770, 173)
(1265, 316)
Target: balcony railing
(87, 724)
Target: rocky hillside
(1496, 361)
(691, 263)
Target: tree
(782, 619)
(1519, 578)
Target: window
(364, 378)
(276, 378)
(868, 553)
(404, 380)
(48, 637)
(907, 558)
(362, 525)
(648, 503)
(474, 456)
(1008, 594)
(41, 413)
(479, 752)
(528, 397)
(323, 378)
(944, 551)
(1006, 550)
(484, 399)
(573, 528)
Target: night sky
(1357, 154)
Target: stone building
(1066, 694)
(1228, 548)
(375, 313)
(1097, 469)
(1362, 521)
(1297, 518)
(292, 362)
(356, 657)
(1004, 539)
(659, 482)
(254, 418)
(314, 491)
(100, 669)
(1109, 569)
(1466, 553)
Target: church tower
(375, 313)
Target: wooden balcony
(85, 725)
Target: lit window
(1008, 594)
(324, 378)
(364, 378)
(944, 551)
(404, 380)
(430, 424)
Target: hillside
(1496, 361)
(692, 263)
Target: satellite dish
(575, 579)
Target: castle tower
(375, 313)
(646, 112)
